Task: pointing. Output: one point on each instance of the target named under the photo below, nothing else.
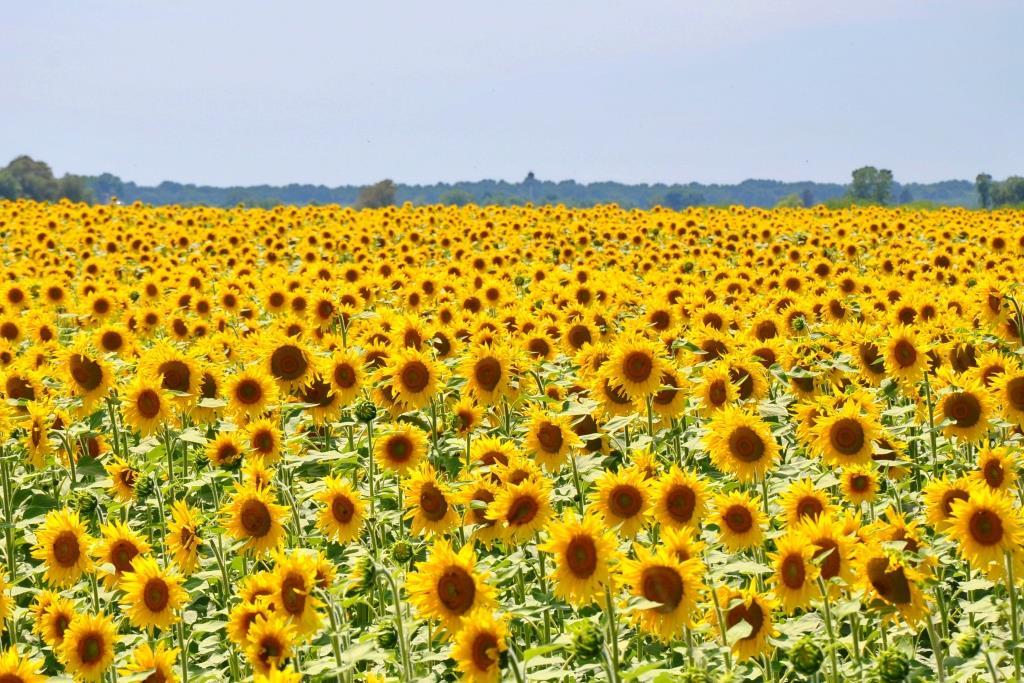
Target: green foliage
(790, 201)
(1009, 191)
(872, 185)
(27, 178)
(377, 196)
(983, 182)
(456, 197)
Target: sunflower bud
(587, 639)
(86, 503)
(695, 675)
(967, 643)
(366, 412)
(520, 281)
(387, 638)
(806, 656)
(363, 575)
(892, 666)
(143, 488)
(401, 552)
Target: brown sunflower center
(830, 566)
(986, 527)
(637, 366)
(176, 375)
(121, 555)
(680, 502)
(293, 594)
(951, 497)
(752, 614)
(90, 648)
(662, 585)
(809, 506)
(415, 376)
(743, 380)
(255, 518)
(860, 483)
(614, 394)
(963, 408)
(739, 519)
(344, 375)
(456, 590)
(66, 549)
(718, 392)
(847, 436)
(665, 396)
(111, 340)
(793, 572)
(625, 501)
(581, 556)
(904, 353)
(342, 509)
(86, 372)
(156, 595)
(288, 363)
(892, 585)
(550, 437)
(433, 503)
(1015, 392)
(484, 644)
(148, 403)
(994, 475)
(487, 373)
(398, 449)
(578, 336)
(522, 511)
(870, 358)
(745, 444)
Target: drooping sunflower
(739, 519)
(88, 647)
(16, 668)
(400, 449)
(845, 436)
(750, 607)
(522, 509)
(65, 546)
(269, 642)
(342, 510)
(987, 528)
(251, 392)
(794, 574)
(890, 581)
(447, 586)
(146, 406)
(623, 499)
(152, 596)
(740, 443)
(294, 583)
(183, 540)
(661, 578)
(158, 663)
(118, 546)
(585, 552)
(430, 502)
(253, 517)
(479, 646)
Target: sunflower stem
(936, 646)
(936, 472)
(403, 647)
(722, 629)
(613, 631)
(1014, 624)
(576, 480)
(183, 651)
(833, 644)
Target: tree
(790, 201)
(35, 178)
(456, 197)
(75, 188)
(807, 197)
(377, 195)
(679, 198)
(871, 185)
(983, 183)
(905, 196)
(1009, 191)
(10, 188)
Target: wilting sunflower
(584, 551)
(401, 449)
(859, 484)
(479, 645)
(550, 438)
(890, 581)
(118, 546)
(16, 668)
(294, 584)
(845, 436)
(635, 366)
(157, 663)
(430, 502)
(269, 642)
(152, 596)
(740, 443)
(794, 574)
(997, 468)
(88, 648)
(488, 371)
(967, 411)
(661, 578)
(987, 526)
(739, 519)
(803, 500)
(414, 377)
(833, 548)
(252, 516)
(251, 392)
(745, 606)
(342, 510)
(146, 406)
(522, 509)
(446, 586)
(123, 478)
(183, 538)
(623, 499)
(65, 546)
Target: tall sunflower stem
(579, 486)
(613, 630)
(1011, 585)
(183, 651)
(403, 646)
(936, 472)
(833, 643)
(936, 645)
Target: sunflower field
(510, 444)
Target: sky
(226, 92)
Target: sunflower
(294, 583)
(54, 613)
(635, 367)
(845, 436)
(251, 392)
(889, 581)
(244, 614)
(87, 374)
(430, 501)
(15, 668)
(263, 438)
(522, 509)
(477, 497)
(802, 500)
(118, 547)
(794, 573)
(64, 545)
(146, 406)
(269, 642)
(342, 510)
(466, 416)
(745, 606)
(997, 468)
(479, 646)
(488, 370)
(345, 371)
(550, 438)
(739, 519)
(177, 371)
(183, 538)
(152, 595)
(37, 434)
(123, 477)
(967, 411)
(659, 577)
(859, 484)
(158, 663)
(88, 647)
(669, 400)
(447, 586)
(288, 362)
(987, 527)
(225, 449)
(623, 499)
(833, 548)
(715, 390)
(414, 377)
(401, 448)
(584, 552)
(906, 357)
(252, 516)
(683, 543)
(940, 496)
(741, 444)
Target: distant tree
(1009, 191)
(983, 183)
(35, 178)
(75, 188)
(790, 201)
(679, 198)
(377, 195)
(905, 196)
(456, 196)
(807, 197)
(871, 185)
(10, 188)
(883, 186)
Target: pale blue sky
(229, 92)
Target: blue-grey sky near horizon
(226, 92)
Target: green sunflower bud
(695, 675)
(806, 656)
(892, 666)
(402, 552)
(387, 638)
(366, 412)
(86, 503)
(587, 639)
(144, 488)
(967, 643)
